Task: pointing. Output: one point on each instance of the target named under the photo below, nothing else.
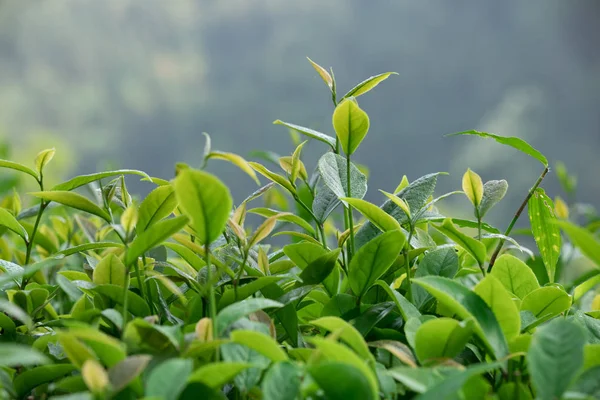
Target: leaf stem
(314, 217)
(212, 306)
(516, 217)
(409, 296)
(350, 218)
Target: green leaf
(111, 270)
(555, 357)
(260, 343)
(318, 270)
(493, 192)
(333, 167)
(77, 352)
(373, 259)
(127, 370)
(135, 304)
(232, 313)
(586, 286)
(368, 84)
(351, 124)
(73, 200)
(168, 379)
(9, 221)
(23, 168)
(336, 352)
(322, 73)
(236, 160)
(545, 231)
(14, 355)
(346, 332)
(287, 217)
(305, 253)
(493, 292)
(309, 132)
(247, 290)
(341, 381)
(206, 201)
(406, 308)
(82, 180)
(217, 374)
(546, 302)
(515, 275)
(442, 338)
(87, 247)
(467, 304)
(30, 379)
(583, 239)
(415, 195)
(473, 246)
(513, 142)
(587, 384)
(43, 158)
(281, 382)
(512, 390)
(154, 236)
(272, 176)
(16, 313)
(376, 215)
(159, 204)
(473, 187)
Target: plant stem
(239, 275)
(314, 217)
(212, 306)
(350, 218)
(516, 217)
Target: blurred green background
(133, 83)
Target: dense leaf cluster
(178, 296)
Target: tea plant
(176, 296)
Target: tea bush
(176, 296)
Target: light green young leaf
(309, 132)
(583, 239)
(155, 235)
(236, 160)
(545, 231)
(14, 354)
(9, 221)
(492, 291)
(43, 158)
(329, 375)
(82, 180)
(18, 167)
(32, 378)
(206, 201)
(272, 176)
(298, 168)
(373, 260)
(351, 124)
(467, 304)
(555, 357)
(217, 374)
(368, 84)
(87, 247)
(376, 215)
(233, 312)
(159, 204)
(319, 269)
(399, 202)
(406, 308)
(472, 246)
(513, 142)
(247, 290)
(261, 343)
(493, 192)
(168, 379)
(73, 200)
(546, 302)
(287, 217)
(111, 270)
(322, 73)
(473, 187)
(346, 332)
(442, 338)
(515, 275)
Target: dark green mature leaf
(9, 221)
(281, 382)
(583, 239)
(159, 204)
(545, 231)
(309, 132)
(247, 290)
(232, 313)
(373, 260)
(324, 203)
(587, 385)
(493, 192)
(555, 357)
(329, 375)
(467, 304)
(415, 195)
(13, 355)
(333, 167)
(18, 167)
(206, 201)
(154, 236)
(319, 269)
(37, 376)
(513, 142)
(442, 338)
(73, 200)
(406, 308)
(473, 246)
(351, 124)
(368, 84)
(168, 379)
(82, 180)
